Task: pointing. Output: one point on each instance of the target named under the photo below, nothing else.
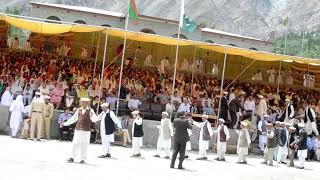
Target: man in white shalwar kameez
(289, 112)
(310, 119)
(262, 107)
(165, 134)
(262, 129)
(107, 128)
(243, 143)
(204, 136)
(17, 110)
(137, 134)
(7, 97)
(84, 116)
(222, 138)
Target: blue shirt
(64, 117)
(312, 144)
(207, 110)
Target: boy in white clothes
(137, 134)
(204, 137)
(165, 134)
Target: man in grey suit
(181, 136)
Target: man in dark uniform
(234, 108)
(224, 106)
(181, 136)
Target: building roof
(223, 33)
(81, 9)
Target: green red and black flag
(133, 10)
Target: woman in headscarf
(17, 110)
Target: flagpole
(222, 84)
(302, 41)
(122, 59)
(192, 77)
(95, 63)
(103, 63)
(284, 53)
(176, 60)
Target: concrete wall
(151, 132)
(160, 28)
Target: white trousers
(80, 143)
(163, 145)
(69, 102)
(106, 144)
(136, 143)
(242, 153)
(14, 131)
(221, 149)
(302, 155)
(282, 154)
(203, 146)
(262, 142)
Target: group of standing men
(39, 113)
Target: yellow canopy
(48, 28)
(54, 28)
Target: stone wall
(151, 131)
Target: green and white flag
(186, 23)
(133, 10)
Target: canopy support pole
(95, 63)
(192, 76)
(222, 83)
(103, 63)
(240, 74)
(122, 59)
(278, 83)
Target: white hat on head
(165, 113)
(225, 92)
(84, 99)
(135, 112)
(46, 97)
(292, 128)
(104, 105)
(260, 96)
(222, 120)
(287, 100)
(266, 115)
(301, 125)
(38, 93)
(205, 116)
(244, 123)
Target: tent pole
(192, 76)
(122, 59)
(176, 59)
(222, 83)
(278, 83)
(95, 63)
(103, 63)
(236, 78)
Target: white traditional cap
(277, 122)
(165, 113)
(222, 120)
(46, 97)
(288, 100)
(104, 105)
(244, 123)
(269, 124)
(260, 96)
(135, 112)
(84, 99)
(292, 128)
(288, 124)
(225, 92)
(205, 116)
(301, 125)
(266, 116)
(38, 93)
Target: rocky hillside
(256, 18)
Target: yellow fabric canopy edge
(54, 28)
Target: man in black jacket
(181, 136)
(224, 106)
(282, 144)
(302, 145)
(235, 107)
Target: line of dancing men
(282, 140)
